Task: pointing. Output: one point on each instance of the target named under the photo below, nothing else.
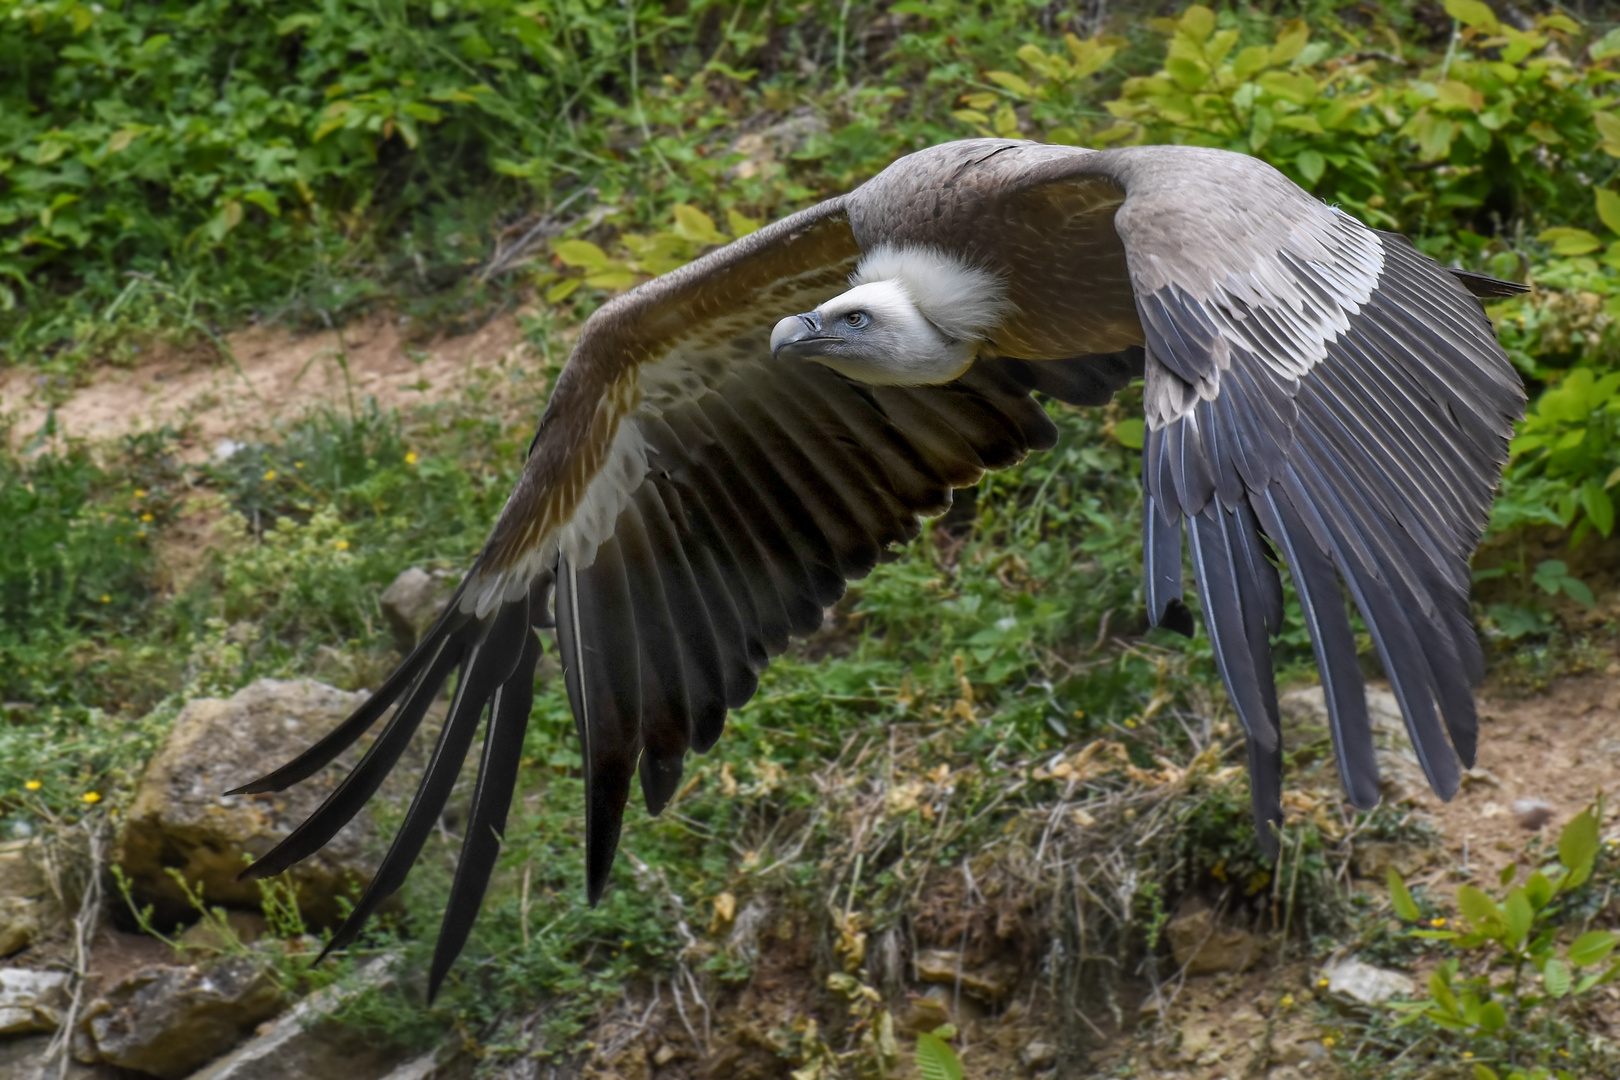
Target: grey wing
(1323, 393)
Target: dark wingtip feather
(1178, 617)
(491, 801)
(1486, 287)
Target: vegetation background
(171, 171)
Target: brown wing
(693, 503)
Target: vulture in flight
(730, 443)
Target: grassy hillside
(915, 774)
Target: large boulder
(27, 906)
(308, 1043)
(181, 819)
(169, 1020)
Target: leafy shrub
(1483, 988)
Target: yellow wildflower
(92, 797)
(146, 517)
(410, 458)
(33, 785)
(1437, 923)
(341, 545)
(270, 474)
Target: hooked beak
(797, 336)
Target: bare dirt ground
(267, 374)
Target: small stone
(169, 1021)
(31, 1000)
(924, 1012)
(987, 982)
(1037, 1056)
(1532, 814)
(27, 906)
(1363, 983)
(1202, 946)
(1373, 860)
(664, 1054)
(412, 602)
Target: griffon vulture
(713, 467)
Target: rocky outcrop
(31, 1000)
(182, 820)
(306, 1043)
(170, 1020)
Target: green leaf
(1198, 22)
(741, 224)
(1440, 990)
(1310, 164)
(1598, 506)
(1473, 13)
(562, 290)
(936, 1060)
(1568, 241)
(1492, 1017)
(1291, 41)
(1130, 433)
(1579, 841)
(1401, 898)
(1511, 870)
(267, 202)
(1484, 1072)
(580, 253)
(1008, 81)
(694, 224)
(1608, 208)
(1592, 948)
(1476, 907)
(1555, 975)
(1520, 916)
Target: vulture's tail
(495, 658)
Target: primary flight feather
(731, 443)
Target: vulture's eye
(856, 319)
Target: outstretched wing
(1319, 391)
(691, 503)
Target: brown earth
(263, 375)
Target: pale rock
(31, 1000)
(23, 1058)
(1399, 773)
(924, 1012)
(169, 1020)
(181, 819)
(412, 602)
(1037, 1056)
(27, 906)
(1375, 858)
(1365, 984)
(1201, 945)
(764, 150)
(1532, 814)
(989, 982)
(306, 1043)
